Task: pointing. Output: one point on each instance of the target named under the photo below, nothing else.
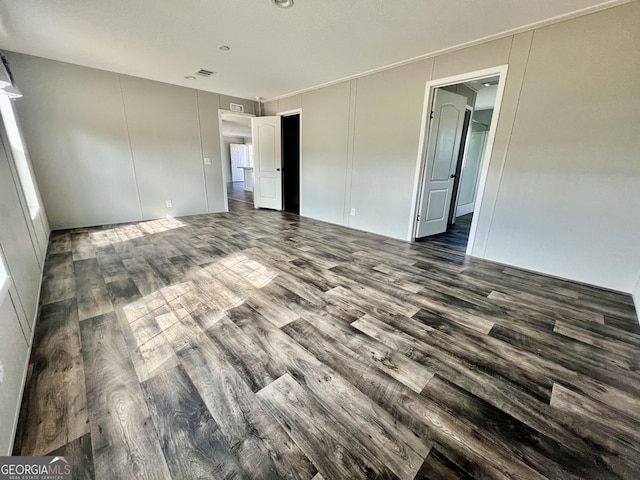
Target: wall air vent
(204, 72)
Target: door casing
(297, 111)
(221, 140)
(430, 88)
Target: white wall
(13, 357)
(283, 105)
(325, 153)
(563, 175)
(208, 104)
(22, 254)
(249, 105)
(109, 148)
(570, 189)
(386, 136)
(165, 143)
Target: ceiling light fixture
(224, 48)
(190, 77)
(283, 3)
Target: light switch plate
(207, 161)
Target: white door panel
(445, 142)
(267, 159)
(436, 205)
(239, 158)
(443, 145)
(267, 147)
(268, 187)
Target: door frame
(429, 96)
(286, 113)
(221, 112)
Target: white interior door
(442, 155)
(239, 158)
(267, 162)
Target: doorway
(291, 163)
(277, 161)
(458, 127)
(236, 145)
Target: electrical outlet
(353, 212)
(1, 373)
(207, 161)
(169, 204)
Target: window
(4, 278)
(18, 150)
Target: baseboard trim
(464, 209)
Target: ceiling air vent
(204, 72)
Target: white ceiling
(273, 51)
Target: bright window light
(17, 148)
(4, 278)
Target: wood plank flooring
(258, 344)
(239, 198)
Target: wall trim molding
(496, 36)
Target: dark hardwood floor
(257, 344)
(238, 197)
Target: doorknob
(453, 175)
(277, 169)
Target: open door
(457, 181)
(267, 162)
(442, 155)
